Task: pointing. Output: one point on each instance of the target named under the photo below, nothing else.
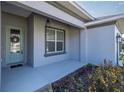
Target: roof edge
(104, 20)
(82, 9)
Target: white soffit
(48, 10)
(82, 12)
(120, 25)
(9, 8)
(73, 7)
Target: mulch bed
(74, 82)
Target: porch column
(83, 46)
(0, 46)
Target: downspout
(0, 48)
(117, 49)
(85, 29)
(83, 45)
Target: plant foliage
(121, 58)
(103, 78)
(107, 78)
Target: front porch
(26, 78)
(30, 31)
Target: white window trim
(63, 41)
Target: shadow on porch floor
(30, 79)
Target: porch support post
(83, 46)
(30, 39)
(0, 46)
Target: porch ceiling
(120, 25)
(9, 8)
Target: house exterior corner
(45, 41)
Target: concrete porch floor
(25, 78)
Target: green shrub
(121, 57)
(107, 78)
(89, 65)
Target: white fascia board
(95, 22)
(48, 10)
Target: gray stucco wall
(34, 28)
(101, 44)
(13, 21)
(72, 42)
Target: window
(15, 41)
(54, 41)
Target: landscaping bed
(103, 78)
(74, 82)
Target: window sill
(53, 54)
